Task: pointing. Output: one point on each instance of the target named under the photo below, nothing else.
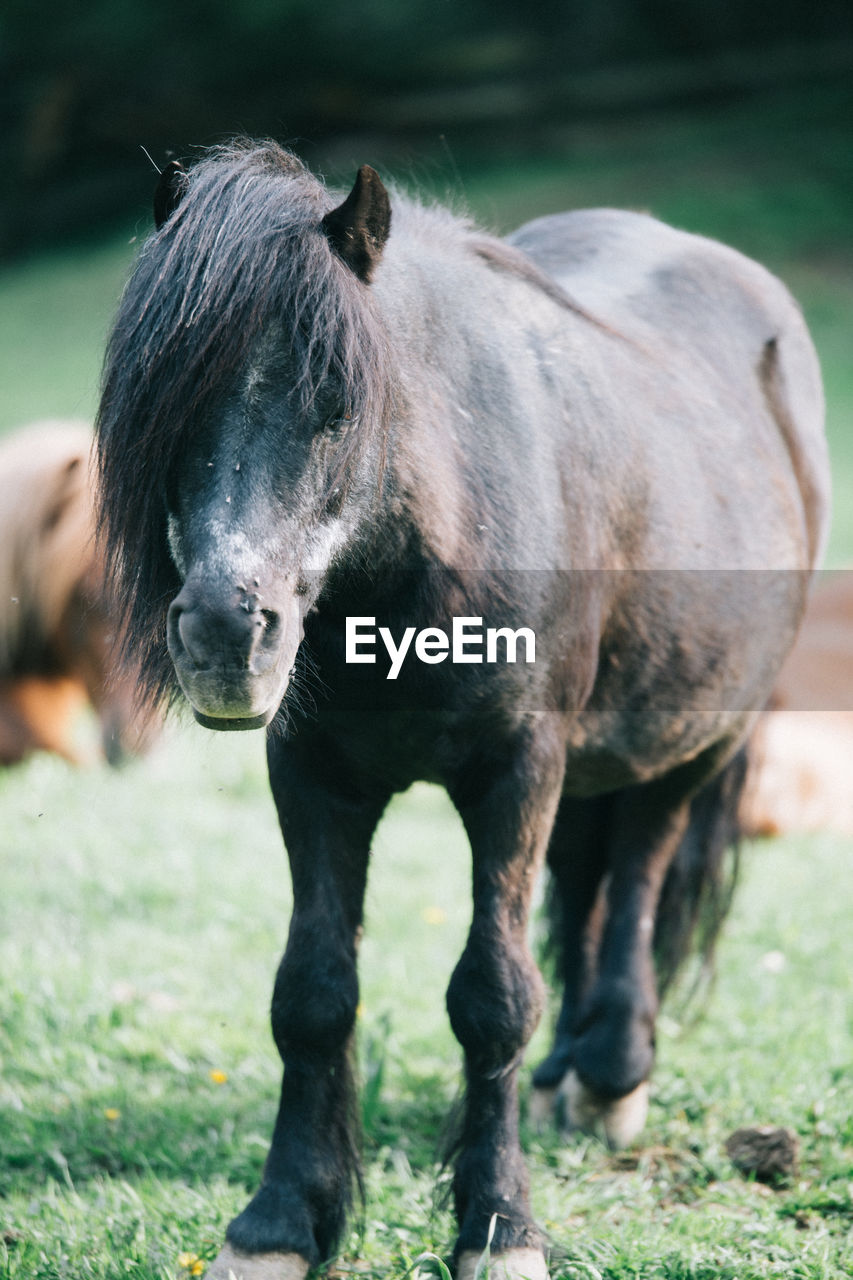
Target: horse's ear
(67, 488)
(168, 192)
(357, 229)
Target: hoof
(230, 1264)
(617, 1122)
(515, 1264)
(541, 1108)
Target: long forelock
(242, 252)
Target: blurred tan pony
(57, 634)
(801, 754)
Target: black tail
(701, 880)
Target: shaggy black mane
(244, 249)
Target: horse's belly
(608, 753)
(681, 674)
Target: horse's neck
(424, 293)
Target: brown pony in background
(56, 629)
(801, 754)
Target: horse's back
(685, 300)
(35, 462)
(46, 524)
(645, 271)
(42, 444)
(42, 465)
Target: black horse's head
(245, 393)
(254, 522)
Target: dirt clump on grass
(764, 1151)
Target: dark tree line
(84, 86)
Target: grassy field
(143, 912)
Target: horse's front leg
(495, 998)
(298, 1215)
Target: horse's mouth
(228, 701)
(234, 724)
(232, 706)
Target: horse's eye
(338, 421)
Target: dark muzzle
(232, 656)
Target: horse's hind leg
(577, 862)
(614, 1035)
(297, 1217)
(495, 996)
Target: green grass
(144, 912)
(55, 313)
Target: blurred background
(734, 119)
(88, 83)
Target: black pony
(574, 483)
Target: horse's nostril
(270, 635)
(272, 622)
(210, 631)
(192, 636)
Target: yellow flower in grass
(112, 1114)
(218, 1076)
(191, 1263)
